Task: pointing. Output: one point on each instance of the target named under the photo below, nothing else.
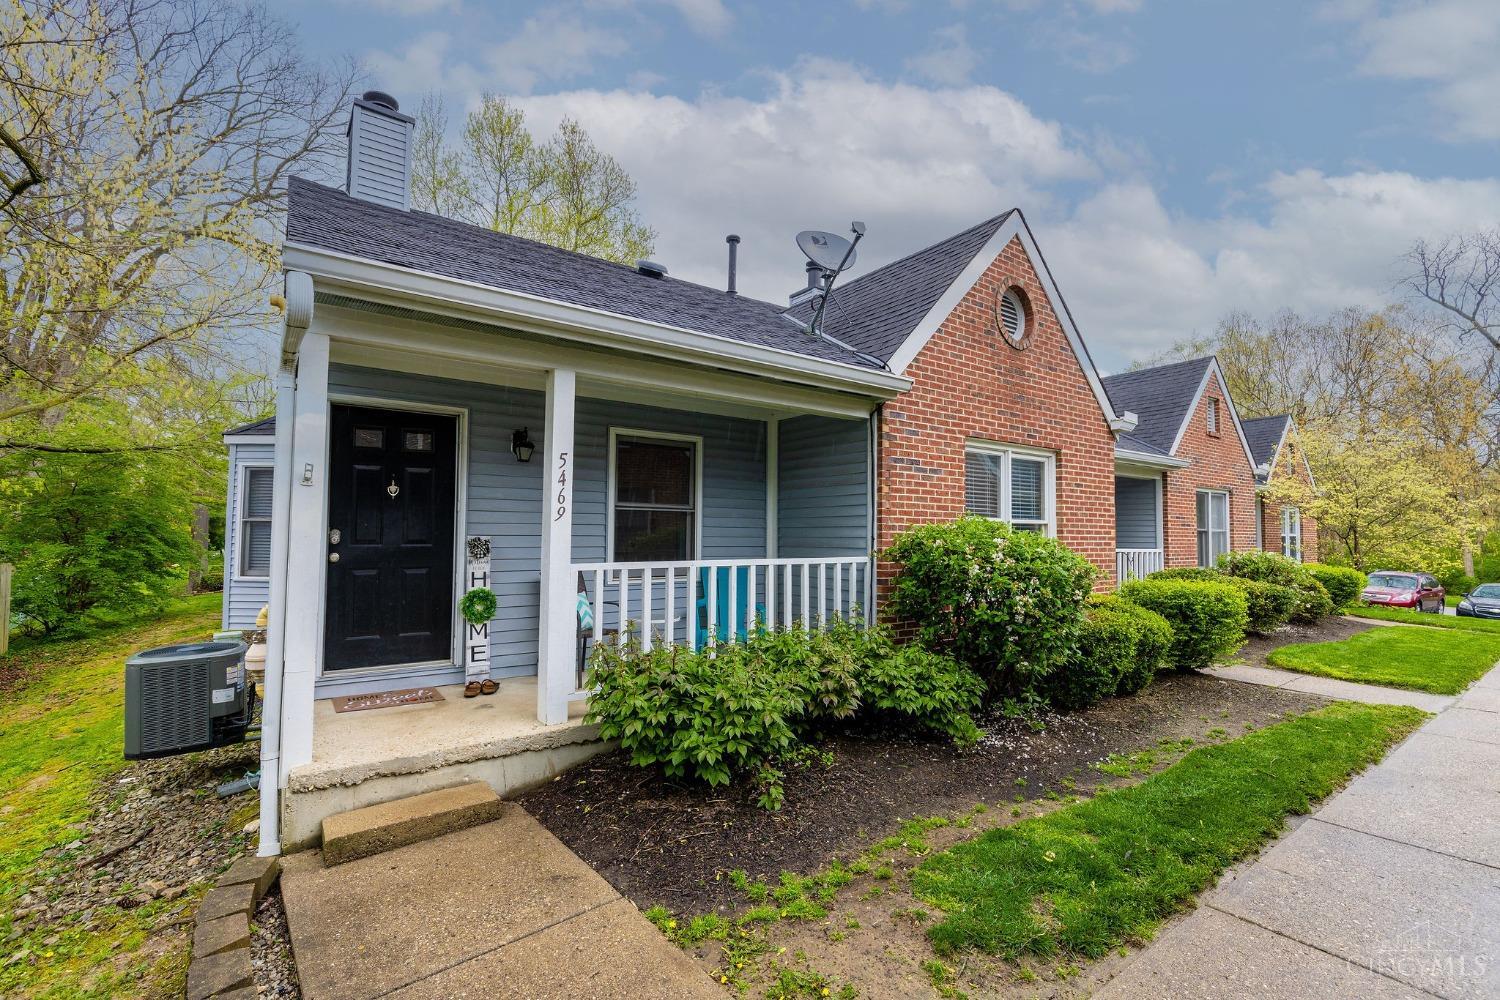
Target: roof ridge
(931, 246)
(1204, 359)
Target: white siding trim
(773, 483)
(1049, 474)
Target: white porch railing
(1135, 564)
(686, 603)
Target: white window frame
(239, 522)
(1049, 481)
(1291, 532)
(1209, 531)
(615, 433)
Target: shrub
(1187, 573)
(1153, 639)
(1343, 583)
(1313, 603)
(1120, 648)
(1453, 581)
(1009, 604)
(1272, 567)
(1208, 618)
(820, 667)
(927, 688)
(1269, 605)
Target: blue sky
(1176, 160)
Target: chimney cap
(381, 98)
(732, 238)
(651, 268)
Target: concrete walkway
(1391, 889)
(1331, 687)
(500, 910)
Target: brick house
(1281, 527)
(1006, 415)
(1186, 476)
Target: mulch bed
(659, 841)
(1254, 652)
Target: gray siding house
(608, 449)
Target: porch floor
(351, 747)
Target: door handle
(333, 557)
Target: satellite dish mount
(833, 254)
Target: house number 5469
(562, 486)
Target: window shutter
(258, 492)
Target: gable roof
(326, 218)
(1265, 435)
(875, 313)
(1161, 398)
(258, 428)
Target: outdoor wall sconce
(521, 446)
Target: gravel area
(271, 950)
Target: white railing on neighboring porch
(688, 602)
(1134, 564)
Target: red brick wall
(970, 384)
(1289, 463)
(1219, 463)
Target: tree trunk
(200, 537)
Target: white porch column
(773, 488)
(308, 552)
(557, 656)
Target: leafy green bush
(1269, 605)
(1313, 603)
(1009, 604)
(1208, 618)
(928, 688)
(1187, 573)
(1343, 583)
(1272, 567)
(821, 667)
(1119, 651)
(1153, 639)
(1454, 582)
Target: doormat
(386, 699)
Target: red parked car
(1416, 591)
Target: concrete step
(360, 833)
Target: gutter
(534, 313)
(1150, 460)
(298, 303)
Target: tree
(137, 271)
(1460, 276)
(566, 191)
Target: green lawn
(1094, 875)
(1439, 660)
(60, 734)
(1431, 621)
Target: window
(654, 499)
(1010, 485)
(255, 522)
(1291, 533)
(1213, 415)
(1213, 526)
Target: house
(1185, 479)
(247, 522)
(609, 450)
(1281, 527)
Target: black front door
(390, 537)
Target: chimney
(379, 150)
(734, 254)
(814, 286)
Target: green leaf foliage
(1343, 583)
(1120, 648)
(1269, 605)
(1313, 601)
(1208, 618)
(1007, 603)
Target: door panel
(391, 503)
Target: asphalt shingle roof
(1129, 442)
(876, 312)
(266, 426)
(1263, 435)
(327, 218)
(1160, 397)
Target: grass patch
(62, 732)
(1442, 661)
(1431, 621)
(1091, 876)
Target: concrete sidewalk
(1332, 687)
(500, 910)
(1391, 889)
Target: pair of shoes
(474, 688)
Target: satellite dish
(827, 250)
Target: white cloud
(824, 145)
(552, 45)
(708, 17)
(427, 64)
(1113, 6)
(1139, 278)
(948, 60)
(1450, 44)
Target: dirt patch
(1331, 629)
(670, 843)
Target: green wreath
(478, 606)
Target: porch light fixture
(521, 445)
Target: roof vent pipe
(814, 276)
(381, 98)
(734, 255)
(651, 268)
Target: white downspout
(298, 306)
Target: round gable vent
(1010, 311)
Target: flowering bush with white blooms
(1007, 603)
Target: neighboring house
(656, 450)
(1185, 473)
(1006, 416)
(247, 522)
(1281, 528)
